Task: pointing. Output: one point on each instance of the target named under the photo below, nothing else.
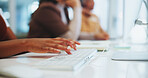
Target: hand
(46, 45)
(69, 42)
(101, 36)
(106, 35)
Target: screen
(131, 13)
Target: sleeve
(5, 32)
(2, 28)
(50, 20)
(74, 25)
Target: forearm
(74, 25)
(12, 47)
(86, 36)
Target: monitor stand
(130, 56)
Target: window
(18, 13)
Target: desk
(101, 66)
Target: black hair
(53, 1)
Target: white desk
(100, 67)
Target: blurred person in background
(51, 20)
(90, 28)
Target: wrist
(25, 44)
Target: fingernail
(75, 48)
(69, 53)
(57, 50)
(68, 50)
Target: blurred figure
(91, 29)
(51, 20)
(10, 46)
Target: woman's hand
(68, 42)
(101, 36)
(50, 45)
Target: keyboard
(64, 61)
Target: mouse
(20, 71)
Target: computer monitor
(131, 12)
(135, 52)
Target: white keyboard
(68, 62)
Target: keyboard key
(67, 62)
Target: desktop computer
(137, 37)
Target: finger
(56, 41)
(57, 46)
(74, 47)
(68, 52)
(76, 42)
(61, 39)
(58, 38)
(65, 41)
(62, 48)
(60, 43)
(51, 50)
(69, 42)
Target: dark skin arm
(37, 45)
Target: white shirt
(75, 23)
(61, 8)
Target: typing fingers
(73, 44)
(60, 47)
(68, 42)
(44, 50)
(50, 50)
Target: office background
(110, 13)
